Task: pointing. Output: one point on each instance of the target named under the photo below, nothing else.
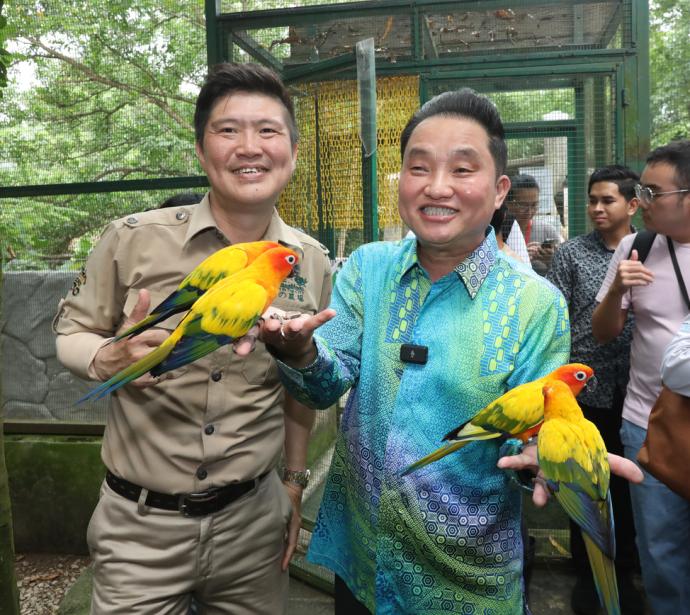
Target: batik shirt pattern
(447, 537)
(578, 270)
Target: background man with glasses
(652, 291)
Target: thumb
(141, 309)
(634, 256)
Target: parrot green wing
(515, 411)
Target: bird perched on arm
(221, 315)
(574, 462)
(518, 414)
(219, 265)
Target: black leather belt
(189, 504)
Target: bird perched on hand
(224, 313)
(219, 265)
(518, 414)
(574, 462)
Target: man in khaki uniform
(192, 504)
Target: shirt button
(181, 215)
(201, 473)
(216, 375)
(209, 429)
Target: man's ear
(633, 205)
(199, 149)
(502, 187)
(295, 150)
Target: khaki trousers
(151, 561)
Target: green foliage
(670, 78)
(99, 90)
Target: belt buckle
(202, 497)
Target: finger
(244, 346)
(309, 324)
(141, 308)
(540, 495)
(625, 468)
(634, 256)
(517, 462)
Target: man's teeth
(247, 171)
(438, 211)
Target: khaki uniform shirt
(218, 420)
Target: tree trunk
(9, 595)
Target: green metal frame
(628, 67)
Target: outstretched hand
(112, 358)
(527, 460)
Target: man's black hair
(624, 177)
(182, 198)
(465, 103)
(677, 154)
(230, 77)
(502, 221)
(520, 182)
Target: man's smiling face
(246, 151)
(448, 187)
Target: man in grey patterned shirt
(578, 269)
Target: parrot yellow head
(560, 402)
(575, 375)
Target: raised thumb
(634, 256)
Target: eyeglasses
(647, 195)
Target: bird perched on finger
(574, 462)
(221, 264)
(224, 313)
(518, 414)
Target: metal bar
(192, 181)
(576, 183)
(366, 82)
(610, 29)
(635, 104)
(214, 53)
(53, 428)
(297, 14)
(246, 42)
(318, 70)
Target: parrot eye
(581, 376)
(290, 259)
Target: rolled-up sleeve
(88, 317)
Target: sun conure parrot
(221, 264)
(574, 462)
(517, 414)
(221, 315)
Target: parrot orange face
(575, 375)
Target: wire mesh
(441, 31)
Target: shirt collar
(202, 220)
(472, 271)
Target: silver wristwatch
(299, 477)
